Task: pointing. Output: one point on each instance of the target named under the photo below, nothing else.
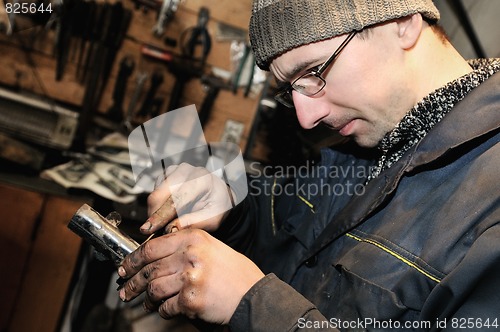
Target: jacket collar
(477, 115)
(419, 121)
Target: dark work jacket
(420, 245)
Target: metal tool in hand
(167, 10)
(103, 234)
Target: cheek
(355, 80)
(368, 88)
(368, 74)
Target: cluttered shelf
(200, 57)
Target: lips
(346, 129)
(343, 128)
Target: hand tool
(147, 105)
(156, 107)
(141, 78)
(64, 35)
(120, 21)
(79, 14)
(89, 13)
(115, 112)
(94, 55)
(107, 36)
(156, 53)
(188, 67)
(102, 233)
(12, 18)
(241, 68)
(213, 85)
(183, 70)
(94, 34)
(167, 10)
(249, 84)
(198, 35)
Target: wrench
(147, 105)
(11, 17)
(167, 10)
(141, 79)
(115, 112)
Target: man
(417, 248)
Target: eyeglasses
(311, 82)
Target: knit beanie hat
(277, 26)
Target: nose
(310, 111)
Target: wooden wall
(15, 69)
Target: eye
(311, 70)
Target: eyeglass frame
(286, 92)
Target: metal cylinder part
(102, 234)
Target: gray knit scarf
(428, 112)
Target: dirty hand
(189, 195)
(189, 273)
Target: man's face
(367, 89)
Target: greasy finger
(170, 308)
(186, 302)
(158, 197)
(160, 218)
(147, 253)
(159, 290)
(132, 288)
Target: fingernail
(121, 272)
(122, 295)
(147, 226)
(174, 229)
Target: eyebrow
(298, 68)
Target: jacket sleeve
(240, 226)
(273, 305)
(469, 296)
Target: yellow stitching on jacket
(311, 206)
(401, 258)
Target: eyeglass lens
(310, 83)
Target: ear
(409, 30)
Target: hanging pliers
(197, 36)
